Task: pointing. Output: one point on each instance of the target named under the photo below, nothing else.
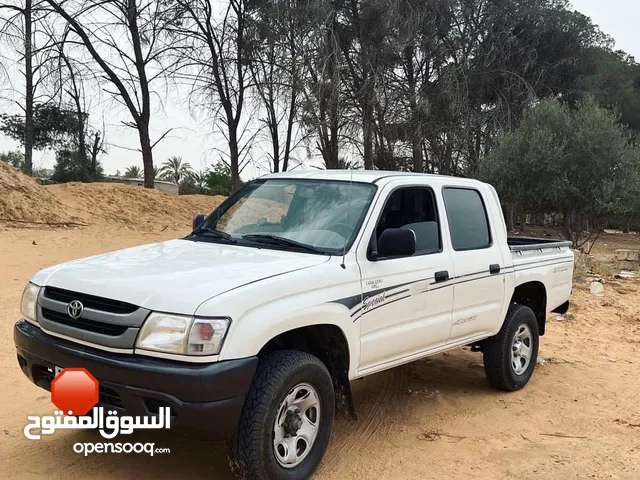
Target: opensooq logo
(76, 392)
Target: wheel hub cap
(521, 349)
(292, 423)
(517, 348)
(296, 425)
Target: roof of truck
(368, 176)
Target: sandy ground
(578, 418)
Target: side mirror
(198, 219)
(397, 242)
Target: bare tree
(126, 40)
(365, 30)
(19, 27)
(324, 109)
(279, 32)
(96, 148)
(71, 85)
(215, 66)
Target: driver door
(406, 308)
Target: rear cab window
(468, 219)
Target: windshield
(324, 215)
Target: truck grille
(90, 301)
(84, 324)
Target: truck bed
(522, 243)
(547, 261)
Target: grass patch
(589, 266)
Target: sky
(195, 140)
(618, 18)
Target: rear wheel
(286, 421)
(510, 356)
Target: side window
(467, 217)
(413, 208)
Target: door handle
(441, 276)
(493, 269)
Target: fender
(260, 312)
(252, 332)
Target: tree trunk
(333, 146)
(77, 99)
(145, 114)
(82, 144)
(290, 120)
(28, 73)
(234, 158)
(275, 144)
(510, 218)
(270, 100)
(568, 233)
(416, 144)
(94, 155)
(82, 151)
(147, 154)
(333, 160)
(367, 103)
(367, 134)
(295, 85)
(416, 148)
(427, 163)
(275, 132)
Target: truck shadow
(382, 400)
(402, 398)
(190, 456)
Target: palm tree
(200, 179)
(133, 171)
(175, 170)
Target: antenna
(344, 248)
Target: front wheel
(286, 421)
(510, 356)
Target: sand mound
(23, 200)
(131, 206)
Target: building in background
(162, 185)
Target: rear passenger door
(403, 312)
(478, 291)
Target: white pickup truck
(254, 324)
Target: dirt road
(437, 418)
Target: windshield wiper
(215, 233)
(285, 242)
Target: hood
(174, 276)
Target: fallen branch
(525, 438)
(562, 435)
(433, 436)
(562, 361)
(52, 224)
(627, 424)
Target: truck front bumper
(207, 396)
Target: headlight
(29, 301)
(182, 335)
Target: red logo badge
(75, 391)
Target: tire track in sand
(389, 387)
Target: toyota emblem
(74, 309)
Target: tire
(281, 375)
(505, 369)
